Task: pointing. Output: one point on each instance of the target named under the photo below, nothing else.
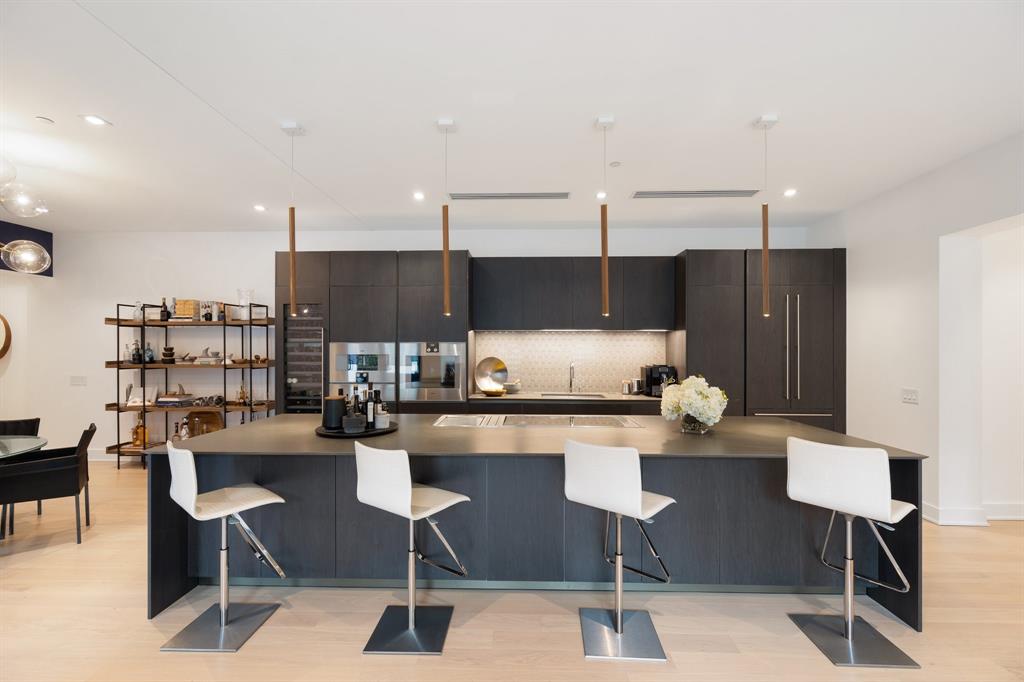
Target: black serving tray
(368, 433)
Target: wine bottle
(165, 313)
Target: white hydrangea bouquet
(699, 404)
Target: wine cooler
(304, 359)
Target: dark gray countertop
(527, 396)
(293, 434)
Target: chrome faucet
(572, 375)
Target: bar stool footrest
(638, 641)
(206, 634)
(867, 649)
(393, 636)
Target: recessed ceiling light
(418, 196)
(789, 193)
(615, 164)
(45, 119)
(95, 120)
(259, 208)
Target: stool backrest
(383, 479)
(604, 477)
(183, 478)
(847, 480)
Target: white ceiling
(870, 94)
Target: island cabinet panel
(464, 525)
(371, 543)
(547, 293)
(168, 541)
(312, 268)
(759, 540)
(586, 294)
(299, 534)
(525, 522)
(364, 268)
(584, 545)
(497, 294)
(364, 313)
(689, 533)
(648, 292)
(713, 314)
(905, 544)
(213, 472)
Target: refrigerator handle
(798, 349)
(787, 346)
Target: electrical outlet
(911, 396)
(78, 381)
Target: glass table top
(15, 445)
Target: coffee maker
(655, 376)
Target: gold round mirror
(5, 336)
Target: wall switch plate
(911, 396)
(78, 381)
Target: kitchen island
(733, 528)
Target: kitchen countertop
(524, 395)
(733, 437)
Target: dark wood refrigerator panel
(586, 294)
(364, 313)
(813, 363)
(496, 295)
(714, 339)
(364, 268)
(648, 292)
(769, 356)
(421, 268)
(547, 293)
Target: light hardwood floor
(77, 612)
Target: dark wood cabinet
(711, 283)
(312, 268)
(421, 268)
(364, 268)
(547, 293)
(497, 293)
(364, 313)
(586, 294)
(420, 318)
(648, 292)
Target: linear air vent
(695, 194)
(457, 196)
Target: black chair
(48, 474)
(17, 427)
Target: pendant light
(22, 255)
(445, 125)
(604, 123)
(765, 123)
(292, 130)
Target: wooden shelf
(128, 449)
(126, 322)
(259, 406)
(115, 364)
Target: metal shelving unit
(245, 364)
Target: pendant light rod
(292, 130)
(445, 125)
(604, 123)
(765, 122)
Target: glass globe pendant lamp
(22, 201)
(25, 256)
(7, 172)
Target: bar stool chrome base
(394, 636)
(868, 648)
(206, 634)
(638, 641)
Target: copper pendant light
(445, 125)
(604, 123)
(292, 130)
(765, 122)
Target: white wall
(58, 323)
(892, 246)
(1002, 373)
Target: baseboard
(929, 512)
(954, 516)
(1004, 511)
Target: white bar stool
(852, 482)
(383, 480)
(217, 629)
(608, 478)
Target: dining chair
(16, 427)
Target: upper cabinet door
(547, 293)
(312, 268)
(420, 318)
(422, 268)
(792, 266)
(586, 294)
(813, 333)
(648, 292)
(497, 293)
(364, 313)
(364, 268)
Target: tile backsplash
(541, 359)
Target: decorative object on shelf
(184, 433)
(490, 375)
(203, 422)
(167, 355)
(140, 434)
(165, 312)
(699, 404)
(184, 308)
(22, 201)
(604, 123)
(5, 336)
(512, 386)
(149, 355)
(138, 398)
(137, 311)
(765, 122)
(445, 125)
(244, 299)
(136, 353)
(243, 395)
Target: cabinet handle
(792, 414)
(798, 349)
(787, 346)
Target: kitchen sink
(572, 395)
(484, 421)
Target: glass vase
(691, 424)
